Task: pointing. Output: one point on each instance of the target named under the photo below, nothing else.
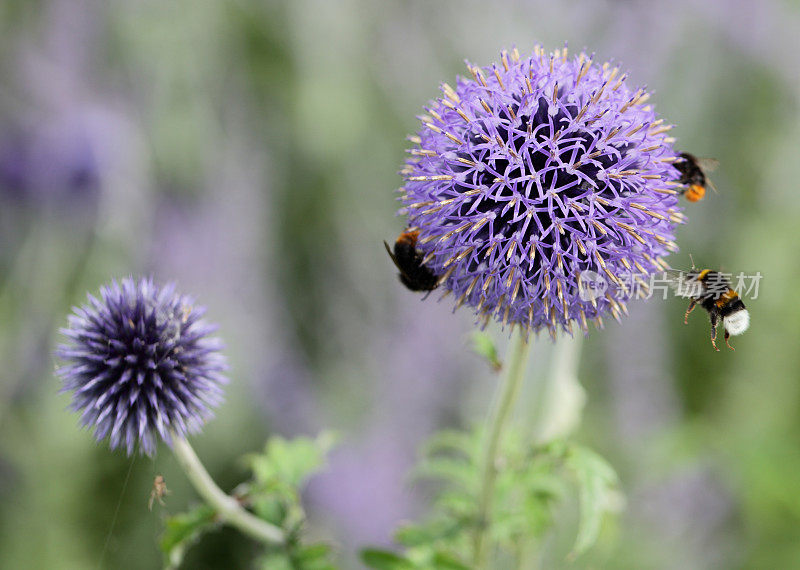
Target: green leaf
(287, 464)
(314, 557)
(276, 561)
(418, 535)
(446, 561)
(414, 535)
(453, 441)
(183, 530)
(454, 471)
(273, 509)
(384, 560)
(597, 483)
(274, 495)
(484, 346)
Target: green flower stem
(504, 401)
(228, 508)
(559, 398)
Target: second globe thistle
(141, 365)
(534, 173)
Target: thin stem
(504, 400)
(228, 508)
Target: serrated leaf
(183, 530)
(288, 463)
(453, 441)
(541, 485)
(293, 461)
(456, 503)
(484, 346)
(596, 486)
(453, 471)
(412, 536)
(384, 560)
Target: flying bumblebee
(694, 175)
(712, 291)
(408, 259)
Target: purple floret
(537, 176)
(140, 363)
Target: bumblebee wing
(708, 164)
(673, 277)
(684, 284)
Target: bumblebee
(694, 175)
(712, 291)
(408, 259)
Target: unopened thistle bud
(140, 365)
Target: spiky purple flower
(534, 174)
(140, 364)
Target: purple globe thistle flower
(58, 165)
(140, 363)
(537, 178)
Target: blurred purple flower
(14, 168)
(140, 363)
(534, 172)
(57, 164)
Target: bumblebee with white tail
(712, 290)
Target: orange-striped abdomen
(695, 193)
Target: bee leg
(692, 305)
(714, 320)
(727, 336)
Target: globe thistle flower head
(140, 364)
(531, 175)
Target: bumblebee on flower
(533, 171)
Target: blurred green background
(249, 152)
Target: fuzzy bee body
(712, 291)
(414, 274)
(693, 175)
